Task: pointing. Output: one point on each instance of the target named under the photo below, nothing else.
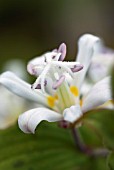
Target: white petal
(87, 45)
(98, 95)
(21, 88)
(72, 114)
(9, 114)
(29, 120)
(101, 65)
(86, 87)
(107, 105)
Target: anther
(58, 82)
(77, 68)
(62, 50)
(30, 69)
(39, 85)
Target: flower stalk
(81, 146)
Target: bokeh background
(29, 28)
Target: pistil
(65, 97)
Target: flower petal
(21, 88)
(98, 95)
(88, 45)
(9, 114)
(108, 105)
(72, 114)
(101, 65)
(29, 120)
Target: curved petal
(108, 105)
(21, 88)
(88, 45)
(29, 120)
(72, 114)
(98, 95)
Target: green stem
(85, 149)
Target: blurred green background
(29, 28)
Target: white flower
(101, 65)
(58, 86)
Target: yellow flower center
(51, 100)
(74, 90)
(64, 97)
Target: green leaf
(110, 161)
(50, 148)
(103, 122)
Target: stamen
(41, 79)
(50, 56)
(58, 82)
(53, 57)
(39, 85)
(57, 56)
(55, 50)
(30, 69)
(77, 68)
(50, 65)
(63, 66)
(62, 50)
(44, 73)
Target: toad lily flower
(58, 86)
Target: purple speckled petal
(58, 82)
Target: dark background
(29, 28)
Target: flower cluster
(58, 86)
